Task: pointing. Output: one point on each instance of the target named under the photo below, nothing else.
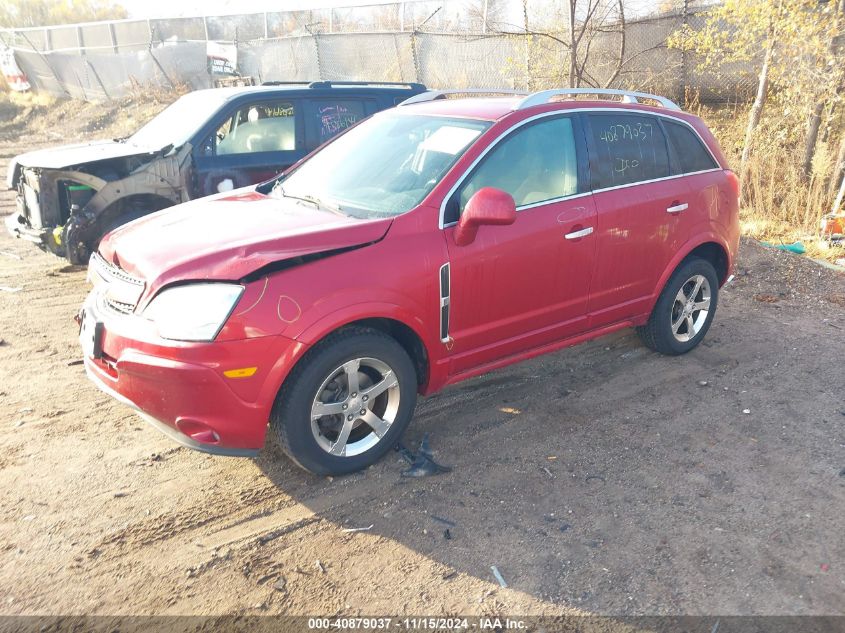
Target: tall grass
(779, 203)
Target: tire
(313, 408)
(679, 322)
(125, 215)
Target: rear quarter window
(626, 149)
(691, 153)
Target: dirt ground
(602, 479)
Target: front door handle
(677, 208)
(578, 234)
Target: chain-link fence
(425, 41)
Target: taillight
(733, 181)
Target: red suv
(428, 244)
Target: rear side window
(535, 163)
(330, 117)
(689, 149)
(628, 149)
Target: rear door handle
(677, 208)
(577, 234)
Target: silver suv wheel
(355, 406)
(690, 308)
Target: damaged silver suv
(208, 141)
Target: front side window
(629, 149)
(535, 163)
(258, 127)
(383, 167)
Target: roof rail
(400, 84)
(544, 96)
(329, 84)
(433, 95)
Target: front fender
(434, 350)
(265, 311)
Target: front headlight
(194, 312)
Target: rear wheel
(685, 309)
(347, 402)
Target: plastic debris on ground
(422, 464)
(796, 247)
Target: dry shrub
(779, 204)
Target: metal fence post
(80, 41)
(415, 56)
(113, 37)
(93, 70)
(155, 59)
(316, 39)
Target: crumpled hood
(228, 236)
(69, 155)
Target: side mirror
(486, 206)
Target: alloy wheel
(690, 308)
(355, 406)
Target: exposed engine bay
(66, 208)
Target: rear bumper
(181, 388)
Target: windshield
(178, 121)
(384, 166)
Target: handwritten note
(630, 149)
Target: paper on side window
(449, 139)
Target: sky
(169, 8)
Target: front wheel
(347, 403)
(685, 309)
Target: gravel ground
(602, 479)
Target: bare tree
(760, 100)
(587, 36)
(832, 87)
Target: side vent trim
(445, 291)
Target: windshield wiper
(307, 198)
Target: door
(639, 199)
(250, 144)
(706, 201)
(521, 286)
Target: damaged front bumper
(183, 389)
(50, 239)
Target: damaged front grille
(118, 306)
(118, 290)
